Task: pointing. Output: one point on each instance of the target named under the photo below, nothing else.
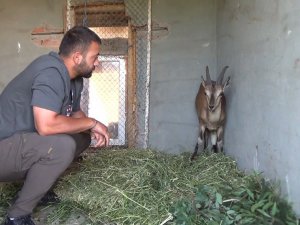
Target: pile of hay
(145, 187)
(140, 186)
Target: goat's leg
(201, 142)
(193, 156)
(205, 139)
(213, 138)
(220, 134)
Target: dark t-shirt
(44, 83)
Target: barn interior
(153, 55)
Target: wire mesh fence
(117, 92)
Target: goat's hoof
(193, 157)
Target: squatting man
(42, 128)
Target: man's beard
(84, 71)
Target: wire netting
(117, 93)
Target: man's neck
(69, 64)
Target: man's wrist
(94, 124)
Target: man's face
(89, 61)
(84, 69)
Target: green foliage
(253, 202)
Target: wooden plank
(47, 41)
(104, 20)
(98, 8)
(131, 89)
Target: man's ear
(77, 58)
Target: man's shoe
(49, 198)
(21, 220)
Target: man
(42, 128)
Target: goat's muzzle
(211, 107)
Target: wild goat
(211, 109)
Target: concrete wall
(17, 20)
(259, 40)
(178, 61)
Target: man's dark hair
(79, 39)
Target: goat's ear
(203, 81)
(226, 84)
(221, 75)
(208, 79)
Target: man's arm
(98, 132)
(48, 122)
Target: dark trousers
(39, 161)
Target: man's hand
(98, 140)
(100, 133)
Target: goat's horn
(208, 80)
(221, 76)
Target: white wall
(177, 62)
(260, 42)
(17, 20)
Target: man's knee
(64, 148)
(82, 141)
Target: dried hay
(133, 186)
(140, 186)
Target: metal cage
(118, 92)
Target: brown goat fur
(211, 110)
